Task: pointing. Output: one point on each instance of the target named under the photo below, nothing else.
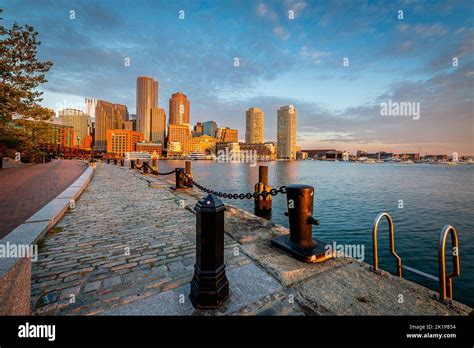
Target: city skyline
(409, 59)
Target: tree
(21, 73)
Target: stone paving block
(27, 234)
(51, 212)
(247, 284)
(355, 290)
(286, 269)
(70, 192)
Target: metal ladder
(445, 281)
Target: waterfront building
(147, 103)
(155, 149)
(202, 144)
(107, 116)
(409, 156)
(158, 126)
(174, 149)
(179, 109)
(286, 132)
(209, 128)
(129, 125)
(227, 135)
(120, 141)
(198, 129)
(179, 133)
(436, 158)
(265, 151)
(254, 126)
(80, 122)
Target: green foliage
(21, 73)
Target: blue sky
(282, 61)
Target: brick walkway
(27, 188)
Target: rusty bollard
(180, 178)
(132, 164)
(145, 167)
(263, 205)
(189, 174)
(154, 164)
(299, 243)
(209, 287)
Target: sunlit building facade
(179, 109)
(158, 126)
(254, 126)
(227, 135)
(286, 132)
(107, 116)
(120, 141)
(79, 121)
(147, 103)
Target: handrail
(447, 291)
(392, 242)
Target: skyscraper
(107, 116)
(80, 122)
(286, 132)
(91, 103)
(147, 101)
(209, 128)
(179, 109)
(254, 126)
(158, 126)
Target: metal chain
(248, 195)
(154, 172)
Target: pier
(128, 248)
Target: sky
(338, 62)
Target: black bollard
(209, 287)
(189, 174)
(132, 164)
(115, 161)
(122, 162)
(145, 167)
(180, 178)
(299, 243)
(108, 160)
(263, 205)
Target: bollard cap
(209, 204)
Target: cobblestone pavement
(127, 239)
(36, 184)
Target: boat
(197, 156)
(406, 162)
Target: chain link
(248, 195)
(154, 172)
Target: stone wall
(15, 288)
